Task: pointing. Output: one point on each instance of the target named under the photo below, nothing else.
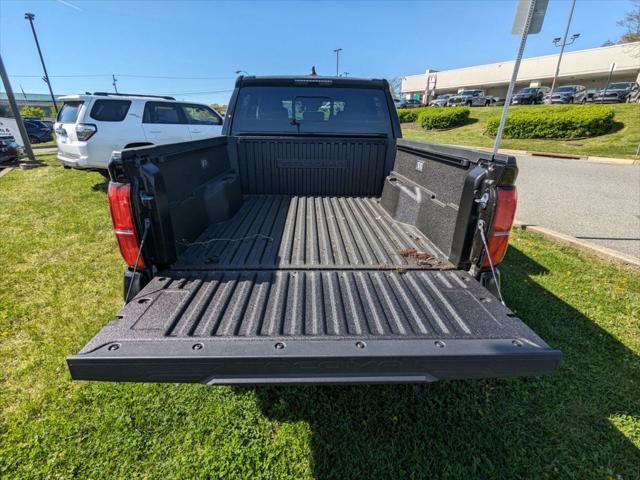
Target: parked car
(470, 98)
(308, 248)
(38, 132)
(399, 103)
(530, 96)
(46, 123)
(413, 104)
(9, 149)
(617, 92)
(568, 94)
(90, 127)
(441, 100)
(591, 93)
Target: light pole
(30, 17)
(556, 42)
(115, 80)
(346, 74)
(243, 72)
(338, 50)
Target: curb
(603, 252)
(566, 156)
(6, 170)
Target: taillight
(498, 240)
(122, 215)
(85, 131)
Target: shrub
(438, 118)
(408, 115)
(550, 121)
(31, 111)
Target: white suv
(90, 127)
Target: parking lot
(598, 203)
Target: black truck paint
(326, 253)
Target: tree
(221, 109)
(631, 22)
(31, 111)
(395, 86)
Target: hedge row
(439, 118)
(550, 121)
(409, 115)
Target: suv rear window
(298, 109)
(110, 110)
(69, 112)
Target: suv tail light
(122, 214)
(498, 240)
(85, 131)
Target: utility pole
(24, 95)
(338, 50)
(115, 87)
(564, 44)
(529, 18)
(16, 111)
(346, 74)
(30, 17)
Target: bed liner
(315, 232)
(312, 290)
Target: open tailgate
(320, 326)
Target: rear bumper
(81, 162)
(305, 361)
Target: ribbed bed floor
(285, 232)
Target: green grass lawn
(621, 143)
(61, 282)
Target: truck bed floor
(312, 290)
(290, 232)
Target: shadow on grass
(555, 426)
(101, 186)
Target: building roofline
(619, 45)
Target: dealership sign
(9, 128)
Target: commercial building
(582, 67)
(33, 99)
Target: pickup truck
(311, 244)
(470, 98)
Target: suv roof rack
(107, 94)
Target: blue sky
(214, 39)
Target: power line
(177, 78)
(201, 93)
(65, 76)
(162, 77)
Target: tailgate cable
(481, 224)
(147, 224)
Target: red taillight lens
(498, 240)
(85, 131)
(122, 215)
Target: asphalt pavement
(597, 203)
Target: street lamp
(238, 72)
(556, 42)
(30, 17)
(338, 50)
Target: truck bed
(312, 232)
(310, 290)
